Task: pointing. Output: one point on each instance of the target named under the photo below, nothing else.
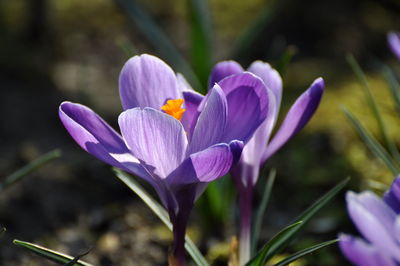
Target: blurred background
(52, 51)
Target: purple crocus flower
(261, 146)
(394, 43)
(378, 221)
(177, 150)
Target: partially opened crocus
(172, 137)
(378, 221)
(394, 43)
(261, 146)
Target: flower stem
(177, 256)
(245, 202)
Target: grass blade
(76, 259)
(201, 39)
(158, 39)
(305, 252)
(160, 212)
(394, 85)
(49, 254)
(246, 40)
(29, 168)
(305, 217)
(373, 105)
(285, 59)
(261, 209)
(2, 231)
(140, 191)
(321, 202)
(262, 256)
(217, 202)
(126, 47)
(374, 146)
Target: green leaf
(158, 39)
(201, 40)
(375, 147)
(285, 59)
(262, 256)
(160, 212)
(126, 47)
(261, 209)
(305, 252)
(247, 39)
(32, 166)
(77, 258)
(394, 85)
(305, 217)
(216, 203)
(321, 202)
(2, 231)
(373, 105)
(49, 254)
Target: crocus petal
(222, 70)
(248, 103)
(146, 81)
(392, 196)
(183, 83)
(297, 117)
(397, 229)
(95, 136)
(362, 253)
(247, 170)
(203, 166)
(211, 122)
(376, 206)
(271, 78)
(155, 138)
(394, 43)
(236, 147)
(374, 228)
(192, 102)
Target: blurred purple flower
(261, 146)
(394, 43)
(178, 158)
(378, 221)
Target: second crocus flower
(261, 146)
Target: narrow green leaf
(261, 209)
(321, 202)
(77, 258)
(27, 169)
(373, 105)
(126, 47)
(216, 203)
(140, 191)
(375, 147)
(394, 85)
(158, 39)
(262, 256)
(285, 59)
(305, 252)
(305, 217)
(247, 39)
(49, 254)
(160, 212)
(201, 39)
(2, 231)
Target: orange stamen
(173, 108)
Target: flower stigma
(173, 108)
